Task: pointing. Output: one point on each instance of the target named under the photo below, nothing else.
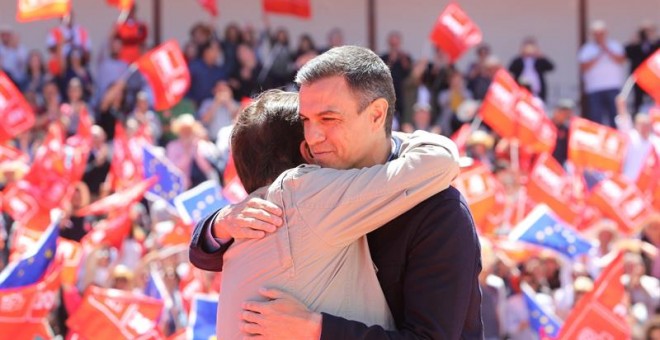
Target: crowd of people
(66, 76)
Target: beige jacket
(320, 255)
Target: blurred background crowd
(228, 64)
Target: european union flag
(170, 178)
(203, 317)
(30, 268)
(200, 201)
(541, 227)
(546, 324)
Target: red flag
(485, 195)
(592, 145)
(514, 113)
(210, 6)
(548, 183)
(119, 200)
(298, 8)
(647, 180)
(110, 314)
(601, 313)
(454, 32)
(534, 128)
(69, 254)
(20, 200)
(123, 5)
(647, 76)
(126, 163)
(498, 107)
(167, 72)
(30, 10)
(27, 307)
(621, 201)
(111, 231)
(16, 114)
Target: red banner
(497, 109)
(123, 5)
(21, 201)
(31, 10)
(596, 146)
(110, 314)
(110, 231)
(601, 313)
(167, 72)
(548, 183)
(28, 305)
(16, 115)
(647, 180)
(297, 8)
(485, 196)
(126, 163)
(210, 6)
(454, 32)
(647, 76)
(621, 201)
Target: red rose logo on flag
(30, 10)
(166, 71)
(15, 113)
(298, 8)
(647, 76)
(454, 32)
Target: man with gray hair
(427, 260)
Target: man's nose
(314, 134)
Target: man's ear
(306, 153)
(378, 113)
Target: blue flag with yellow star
(202, 317)
(543, 228)
(170, 178)
(542, 320)
(32, 266)
(200, 201)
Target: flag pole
(627, 87)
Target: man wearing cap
(601, 65)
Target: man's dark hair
(366, 74)
(266, 139)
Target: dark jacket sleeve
(441, 296)
(205, 252)
(544, 65)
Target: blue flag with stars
(200, 201)
(31, 267)
(543, 228)
(170, 178)
(546, 324)
(202, 320)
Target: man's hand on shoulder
(252, 218)
(281, 317)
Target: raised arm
(343, 205)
